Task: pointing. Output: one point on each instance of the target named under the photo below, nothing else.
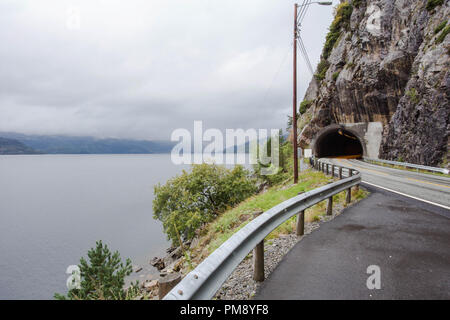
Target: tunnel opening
(338, 142)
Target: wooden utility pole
(294, 106)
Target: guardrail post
(340, 173)
(357, 187)
(330, 206)
(258, 262)
(349, 190)
(332, 170)
(301, 223)
(327, 168)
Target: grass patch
(413, 95)
(341, 22)
(228, 223)
(315, 212)
(305, 105)
(443, 34)
(440, 27)
(336, 75)
(322, 69)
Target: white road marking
(407, 195)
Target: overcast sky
(140, 69)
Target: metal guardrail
(409, 165)
(206, 279)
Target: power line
(278, 71)
(306, 4)
(302, 11)
(305, 55)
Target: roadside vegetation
(200, 210)
(188, 201)
(275, 189)
(218, 231)
(101, 278)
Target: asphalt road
(426, 187)
(409, 240)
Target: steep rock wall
(388, 65)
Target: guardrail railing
(206, 279)
(409, 165)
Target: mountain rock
(386, 61)
(11, 146)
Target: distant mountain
(234, 149)
(11, 146)
(88, 145)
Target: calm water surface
(54, 207)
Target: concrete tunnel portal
(337, 142)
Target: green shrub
(305, 105)
(102, 278)
(413, 95)
(322, 69)
(433, 4)
(341, 21)
(185, 203)
(440, 27)
(336, 75)
(443, 34)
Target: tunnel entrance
(338, 142)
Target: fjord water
(54, 207)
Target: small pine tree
(103, 278)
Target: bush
(413, 95)
(341, 21)
(336, 75)
(305, 105)
(443, 34)
(440, 27)
(185, 203)
(102, 278)
(322, 69)
(433, 4)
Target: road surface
(430, 188)
(407, 238)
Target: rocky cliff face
(387, 61)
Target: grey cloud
(139, 69)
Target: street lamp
(294, 109)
